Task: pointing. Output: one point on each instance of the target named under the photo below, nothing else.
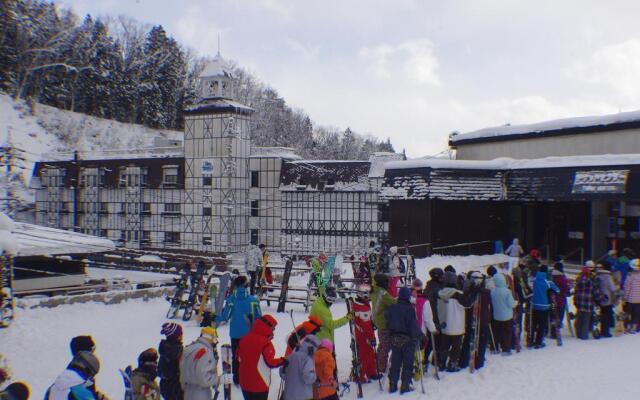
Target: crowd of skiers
(400, 330)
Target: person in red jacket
(365, 338)
(256, 356)
(309, 327)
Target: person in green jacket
(380, 301)
(321, 309)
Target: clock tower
(217, 148)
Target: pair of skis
(355, 359)
(474, 335)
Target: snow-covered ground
(36, 346)
(132, 276)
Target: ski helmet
(363, 290)
(330, 295)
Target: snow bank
(151, 258)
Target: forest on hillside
(116, 67)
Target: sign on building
(207, 168)
(614, 181)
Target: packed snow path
(37, 348)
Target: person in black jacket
(431, 291)
(170, 350)
(405, 336)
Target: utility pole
(76, 190)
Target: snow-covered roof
(21, 239)
(282, 152)
(378, 160)
(510, 163)
(623, 120)
(218, 105)
(148, 152)
(218, 66)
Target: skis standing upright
(282, 300)
(474, 334)
(555, 322)
(205, 299)
(196, 286)
(226, 356)
(355, 358)
(176, 301)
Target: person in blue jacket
(541, 305)
(242, 309)
(502, 302)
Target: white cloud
(616, 66)
(201, 33)
(415, 60)
(307, 51)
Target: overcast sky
(417, 70)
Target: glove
(351, 316)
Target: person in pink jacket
(632, 295)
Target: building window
(170, 176)
(172, 237)
(146, 237)
(104, 233)
(171, 208)
(146, 208)
(207, 181)
(104, 208)
(255, 179)
(206, 211)
(254, 236)
(206, 240)
(123, 236)
(383, 212)
(255, 208)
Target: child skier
(199, 366)
(143, 378)
(299, 373)
(325, 387)
(75, 381)
(405, 335)
(321, 309)
(309, 327)
(365, 338)
(170, 350)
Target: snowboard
(282, 300)
(595, 324)
(126, 378)
(227, 356)
(620, 321)
(355, 357)
(176, 301)
(7, 304)
(223, 287)
(209, 287)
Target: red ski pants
(367, 360)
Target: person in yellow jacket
(325, 387)
(143, 378)
(321, 309)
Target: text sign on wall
(207, 168)
(614, 181)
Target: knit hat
(436, 273)
(590, 264)
(635, 263)
(87, 362)
(449, 268)
(327, 344)
(171, 330)
(209, 333)
(404, 293)
(17, 391)
(450, 278)
(393, 249)
(417, 283)
(149, 356)
(491, 270)
(81, 343)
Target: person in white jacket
(394, 271)
(75, 382)
(199, 366)
(513, 252)
(451, 314)
(252, 264)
